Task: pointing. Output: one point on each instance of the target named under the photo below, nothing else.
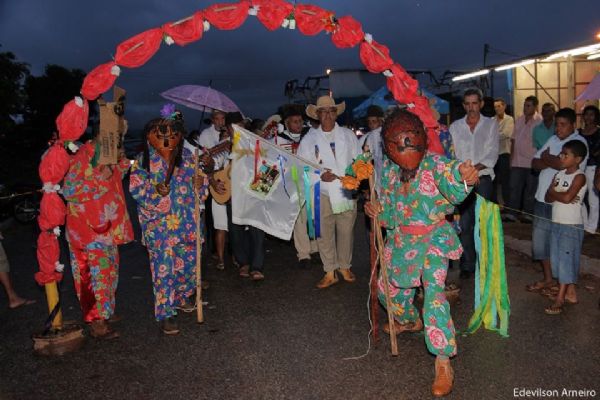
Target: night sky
(251, 64)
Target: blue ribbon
(309, 216)
(282, 160)
(317, 204)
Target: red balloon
(72, 120)
(375, 57)
(227, 16)
(349, 33)
(310, 19)
(185, 31)
(48, 253)
(137, 50)
(271, 13)
(98, 81)
(54, 164)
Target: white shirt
(317, 146)
(479, 146)
(506, 126)
(547, 174)
(563, 213)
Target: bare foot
(19, 302)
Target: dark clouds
(252, 64)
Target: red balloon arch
(345, 32)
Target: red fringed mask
(405, 141)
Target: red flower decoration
(402, 85)
(52, 212)
(72, 120)
(271, 13)
(349, 33)
(375, 57)
(187, 30)
(54, 164)
(136, 51)
(311, 19)
(227, 16)
(48, 253)
(98, 81)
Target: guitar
(223, 147)
(223, 175)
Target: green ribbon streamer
(491, 289)
(296, 180)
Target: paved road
(284, 339)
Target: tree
(46, 96)
(12, 75)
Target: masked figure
(418, 189)
(162, 183)
(97, 221)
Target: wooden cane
(373, 284)
(384, 275)
(199, 311)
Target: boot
(100, 329)
(328, 280)
(444, 378)
(347, 275)
(169, 326)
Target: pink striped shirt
(523, 136)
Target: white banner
(263, 193)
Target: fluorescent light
(593, 56)
(470, 75)
(573, 52)
(514, 65)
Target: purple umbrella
(200, 98)
(592, 91)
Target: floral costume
(168, 228)
(97, 221)
(419, 243)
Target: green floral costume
(419, 243)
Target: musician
(163, 184)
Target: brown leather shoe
(100, 329)
(346, 274)
(444, 378)
(329, 279)
(416, 326)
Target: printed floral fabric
(168, 227)
(96, 210)
(412, 258)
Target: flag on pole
(268, 184)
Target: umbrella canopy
(592, 91)
(384, 99)
(200, 98)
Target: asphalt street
(284, 339)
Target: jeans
(502, 172)
(467, 223)
(247, 244)
(523, 183)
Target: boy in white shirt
(566, 195)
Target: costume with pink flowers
(419, 243)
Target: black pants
(247, 243)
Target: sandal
(221, 266)
(537, 286)
(549, 291)
(257, 276)
(554, 309)
(244, 271)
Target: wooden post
(384, 275)
(199, 311)
(52, 299)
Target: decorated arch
(345, 32)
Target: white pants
(590, 219)
(219, 214)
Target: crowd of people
(539, 167)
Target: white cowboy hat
(324, 102)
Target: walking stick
(373, 284)
(383, 269)
(199, 311)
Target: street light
(328, 71)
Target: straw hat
(324, 102)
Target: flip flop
(554, 310)
(25, 302)
(538, 286)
